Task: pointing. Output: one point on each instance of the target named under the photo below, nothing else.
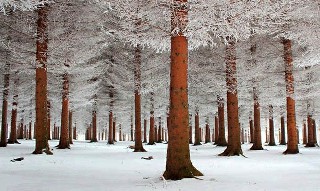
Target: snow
(98, 166)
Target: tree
(257, 144)
(13, 132)
(271, 127)
(178, 163)
(64, 135)
(41, 82)
(222, 137)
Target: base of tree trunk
(291, 151)
(188, 172)
(255, 147)
(140, 150)
(272, 144)
(232, 152)
(190, 142)
(196, 144)
(62, 147)
(94, 141)
(144, 142)
(13, 142)
(110, 143)
(283, 143)
(159, 141)
(224, 144)
(310, 145)
(151, 143)
(37, 152)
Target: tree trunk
(234, 145)
(251, 130)
(242, 136)
(49, 120)
(197, 134)
(292, 146)
(311, 142)
(315, 132)
(207, 139)
(178, 164)
(257, 144)
(75, 132)
(283, 132)
(114, 129)
(216, 129)
(304, 134)
(155, 133)
(64, 134)
(110, 134)
(94, 126)
(70, 127)
(131, 128)
(138, 147)
(272, 141)
(222, 135)
(30, 130)
(151, 131)
(4, 130)
(145, 131)
(41, 82)
(13, 132)
(159, 132)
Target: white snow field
(102, 167)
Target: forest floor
(102, 167)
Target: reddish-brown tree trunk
(75, 132)
(159, 132)
(257, 144)
(197, 134)
(272, 141)
(30, 130)
(242, 136)
(222, 134)
(4, 130)
(315, 132)
(251, 130)
(114, 130)
(216, 129)
(310, 142)
(207, 139)
(292, 146)
(64, 134)
(282, 132)
(70, 127)
(41, 82)
(131, 129)
(304, 133)
(178, 164)
(151, 131)
(13, 132)
(138, 147)
(234, 144)
(145, 131)
(110, 134)
(94, 126)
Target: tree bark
(159, 132)
(114, 129)
(251, 130)
(216, 129)
(222, 135)
(49, 120)
(138, 147)
(234, 145)
(304, 134)
(190, 129)
(64, 134)
(94, 126)
(257, 144)
(283, 132)
(315, 132)
(272, 141)
(13, 132)
(311, 142)
(4, 130)
(178, 164)
(292, 146)
(207, 139)
(110, 134)
(70, 127)
(151, 131)
(41, 82)
(145, 131)
(197, 134)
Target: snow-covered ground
(98, 166)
